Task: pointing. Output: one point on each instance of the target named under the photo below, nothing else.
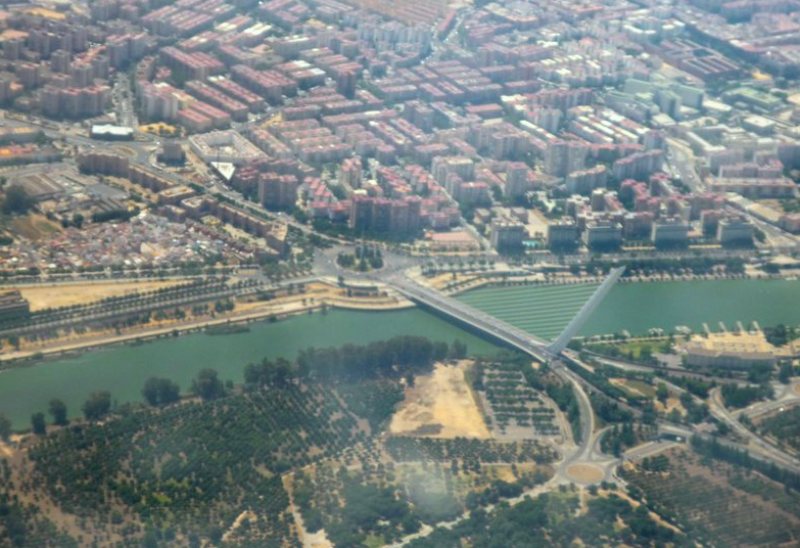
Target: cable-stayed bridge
(503, 331)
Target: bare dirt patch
(58, 295)
(585, 473)
(34, 226)
(672, 403)
(440, 405)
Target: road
(786, 396)
(641, 368)
(755, 444)
(122, 98)
(681, 158)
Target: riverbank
(316, 299)
(469, 282)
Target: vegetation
(173, 473)
(549, 520)
(352, 509)
(736, 396)
(159, 391)
(784, 427)
(207, 385)
(113, 215)
(38, 424)
(695, 412)
(781, 334)
(58, 410)
(97, 405)
(513, 403)
(621, 437)
(539, 379)
(16, 201)
(697, 497)
(467, 452)
(399, 356)
(365, 257)
(634, 351)
(193, 467)
(652, 265)
(21, 524)
(716, 450)
(5, 428)
(697, 387)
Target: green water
(636, 307)
(122, 370)
(541, 310)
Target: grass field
(631, 350)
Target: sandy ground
(68, 294)
(247, 514)
(505, 473)
(672, 403)
(440, 405)
(34, 226)
(627, 387)
(585, 473)
(5, 451)
(797, 389)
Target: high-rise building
(277, 191)
(602, 235)
(671, 232)
(735, 231)
(562, 235)
(507, 235)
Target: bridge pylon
(577, 322)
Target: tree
(38, 424)
(17, 200)
(97, 406)
(5, 428)
(207, 385)
(58, 410)
(662, 393)
(157, 391)
(785, 373)
(458, 350)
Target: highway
(755, 444)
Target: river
(543, 310)
(122, 369)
